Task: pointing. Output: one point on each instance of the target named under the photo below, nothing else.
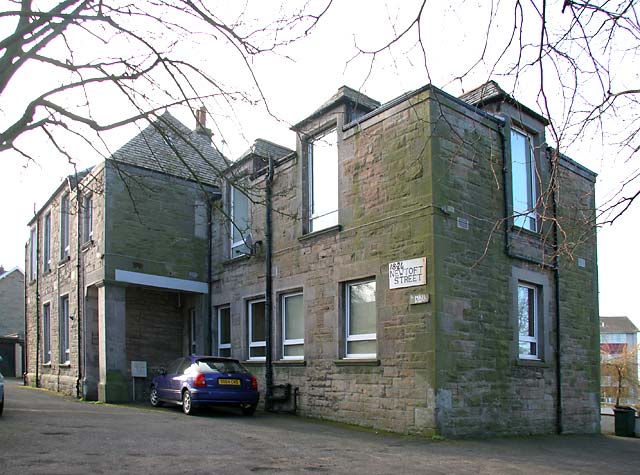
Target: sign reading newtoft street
(409, 273)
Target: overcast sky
(319, 65)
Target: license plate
(228, 382)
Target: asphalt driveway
(44, 433)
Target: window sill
(64, 365)
(527, 232)
(46, 365)
(253, 362)
(87, 245)
(63, 261)
(330, 230)
(234, 260)
(290, 363)
(357, 362)
(532, 363)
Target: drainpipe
(268, 289)
(79, 288)
(37, 302)
(556, 259)
(208, 346)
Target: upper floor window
(528, 321)
(224, 331)
(46, 248)
(239, 222)
(64, 227)
(292, 326)
(33, 253)
(523, 181)
(323, 181)
(87, 218)
(360, 319)
(257, 330)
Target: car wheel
(154, 399)
(187, 403)
(248, 409)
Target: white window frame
(312, 205)
(193, 334)
(238, 248)
(227, 345)
(534, 291)
(290, 341)
(33, 253)
(87, 217)
(356, 337)
(46, 333)
(525, 218)
(64, 226)
(46, 251)
(255, 344)
(64, 329)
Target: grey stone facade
(11, 302)
(425, 177)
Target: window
(87, 218)
(323, 181)
(257, 330)
(63, 314)
(46, 251)
(523, 178)
(193, 331)
(239, 223)
(46, 333)
(528, 321)
(64, 227)
(224, 331)
(33, 253)
(292, 326)
(360, 309)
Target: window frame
(233, 225)
(527, 219)
(258, 343)
(533, 312)
(33, 253)
(64, 333)
(291, 341)
(311, 202)
(220, 345)
(65, 234)
(347, 321)
(46, 247)
(87, 218)
(46, 333)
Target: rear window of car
(216, 366)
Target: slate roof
(491, 92)
(344, 94)
(617, 325)
(11, 271)
(168, 146)
(266, 149)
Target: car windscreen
(217, 366)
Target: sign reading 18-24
(409, 273)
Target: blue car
(194, 381)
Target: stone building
(11, 321)
(432, 271)
(118, 264)
(619, 360)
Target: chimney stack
(201, 122)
